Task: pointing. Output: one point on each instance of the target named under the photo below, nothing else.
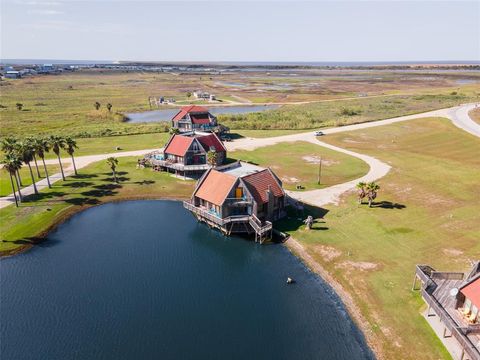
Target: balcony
(180, 166)
(259, 227)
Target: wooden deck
(233, 224)
(179, 166)
(435, 289)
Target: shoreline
(66, 215)
(353, 310)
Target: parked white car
(318, 133)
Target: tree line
(24, 152)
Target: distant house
(48, 69)
(187, 154)
(203, 95)
(193, 117)
(453, 300)
(12, 74)
(239, 198)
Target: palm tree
(71, 144)
(57, 143)
(11, 165)
(372, 190)
(19, 106)
(32, 142)
(25, 152)
(113, 162)
(9, 145)
(361, 186)
(212, 158)
(97, 105)
(109, 107)
(41, 146)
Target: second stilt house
(190, 154)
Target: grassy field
(63, 104)
(23, 226)
(5, 185)
(345, 112)
(475, 115)
(298, 164)
(426, 212)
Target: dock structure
(240, 198)
(453, 299)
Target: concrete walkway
(80, 162)
(458, 115)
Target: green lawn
(426, 213)
(5, 184)
(21, 227)
(104, 145)
(298, 164)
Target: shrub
(349, 111)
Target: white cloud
(69, 26)
(45, 12)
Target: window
(195, 147)
(238, 192)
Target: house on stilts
(194, 117)
(190, 154)
(239, 198)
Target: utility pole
(320, 170)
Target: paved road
(80, 162)
(458, 115)
(460, 118)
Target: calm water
(143, 280)
(168, 114)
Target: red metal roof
(200, 119)
(215, 187)
(472, 292)
(189, 109)
(178, 145)
(258, 184)
(208, 141)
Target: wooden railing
(251, 219)
(427, 275)
(179, 166)
(258, 226)
(458, 332)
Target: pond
(168, 114)
(144, 280)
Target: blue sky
(241, 31)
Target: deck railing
(180, 166)
(458, 332)
(251, 219)
(258, 226)
(427, 275)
